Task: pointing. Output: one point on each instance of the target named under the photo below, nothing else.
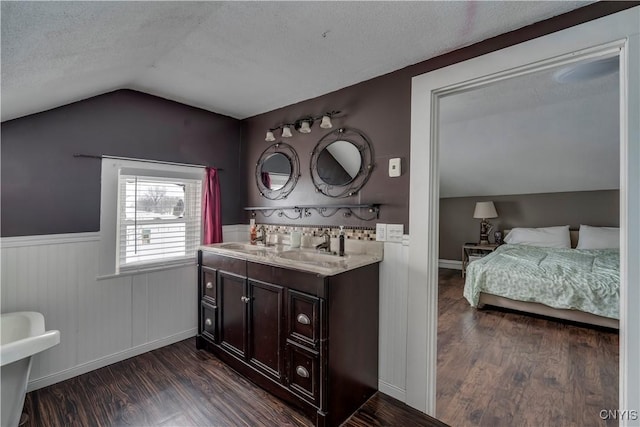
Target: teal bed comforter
(578, 279)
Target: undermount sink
(313, 258)
(246, 248)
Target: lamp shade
(305, 127)
(326, 122)
(270, 136)
(286, 132)
(485, 210)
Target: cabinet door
(232, 306)
(265, 328)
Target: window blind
(159, 219)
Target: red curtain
(211, 208)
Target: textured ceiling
(531, 134)
(233, 58)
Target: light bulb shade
(485, 210)
(286, 132)
(326, 122)
(270, 137)
(305, 127)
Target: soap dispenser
(341, 240)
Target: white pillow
(548, 237)
(598, 237)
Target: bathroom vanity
(300, 324)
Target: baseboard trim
(108, 360)
(392, 390)
(450, 263)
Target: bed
(581, 285)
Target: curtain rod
(92, 156)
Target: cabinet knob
(244, 299)
(208, 322)
(300, 370)
(209, 285)
(303, 318)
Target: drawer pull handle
(300, 370)
(209, 285)
(208, 322)
(303, 318)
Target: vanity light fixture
(302, 125)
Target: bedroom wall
(45, 190)
(457, 225)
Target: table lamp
(485, 210)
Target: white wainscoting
(394, 283)
(104, 321)
(100, 321)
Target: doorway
(615, 34)
(528, 145)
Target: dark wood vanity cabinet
(309, 339)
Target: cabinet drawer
(310, 283)
(304, 319)
(209, 284)
(304, 373)
(208, 321)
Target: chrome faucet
(263, 235)
(326, 245)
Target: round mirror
(275, 171)
(339, 163)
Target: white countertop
(309, 260)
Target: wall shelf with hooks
(326, 211)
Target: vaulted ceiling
(233, 58)
(533, 134)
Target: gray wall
(457, 225)
(45, 190)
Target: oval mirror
(339, 163)
(277, 171)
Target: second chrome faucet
(326, 244)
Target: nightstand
(473, 251)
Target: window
(158, 219)
(151, 215)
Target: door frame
(619, 31)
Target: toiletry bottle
(253, 234)
(341, 239)
(296, 238)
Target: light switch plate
(394, 167)
(381, 232)
(395, 232)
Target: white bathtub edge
(108, 360)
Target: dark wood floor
(178, 385)
(495, 368)
(501, 368)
